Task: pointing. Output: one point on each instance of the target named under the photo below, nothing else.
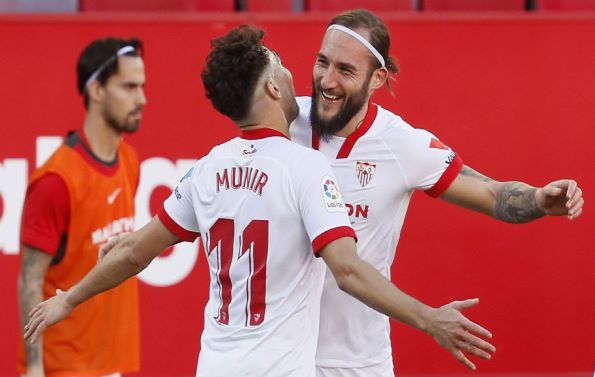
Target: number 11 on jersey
(253, 243)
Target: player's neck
(354, 123)
(103, 139)
(283, 130)
(272, 118)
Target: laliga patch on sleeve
(331, 195)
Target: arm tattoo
(515, 203)
(472, 173)
(34, 264)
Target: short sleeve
(321, 205)
(46, 212)
(177, 213)
(428, 164)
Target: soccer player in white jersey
(379, 160)
(264, 207)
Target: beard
(293, 111)
(326, 128)
(127, 126)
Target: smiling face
(341, 82)
(123, 97)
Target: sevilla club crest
(365, 172)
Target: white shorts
(383, 369)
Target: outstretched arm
(514, 202)
(447, 325)
(128, 258)
(34, 265)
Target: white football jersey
(378, 167)
(263, 207)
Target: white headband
(121, 51)
(361, 39)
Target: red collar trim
(261, 133)
(354, 137)
(315, 140)
(361, 131)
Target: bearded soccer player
(76, 201)
(264, 208)
(379, 161)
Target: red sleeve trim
(330, 235)
(172, 226)
(449, 175)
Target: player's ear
(272, 89)
(95, 91)
(379, 77)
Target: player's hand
(560, 198)
(110, 244)
(45, 314)
(453, 331)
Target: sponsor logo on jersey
(112, 197)
(450, 158)
(121, 225)
(250, 151)
(357, 210)
(365, 172)
(332, 195)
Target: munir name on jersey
(242, 178)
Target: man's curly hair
(233, 68)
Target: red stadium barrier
(374, 5)
(156, 5)
(269, 6)
(513, 95)
(566, 5)
(473, 5)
